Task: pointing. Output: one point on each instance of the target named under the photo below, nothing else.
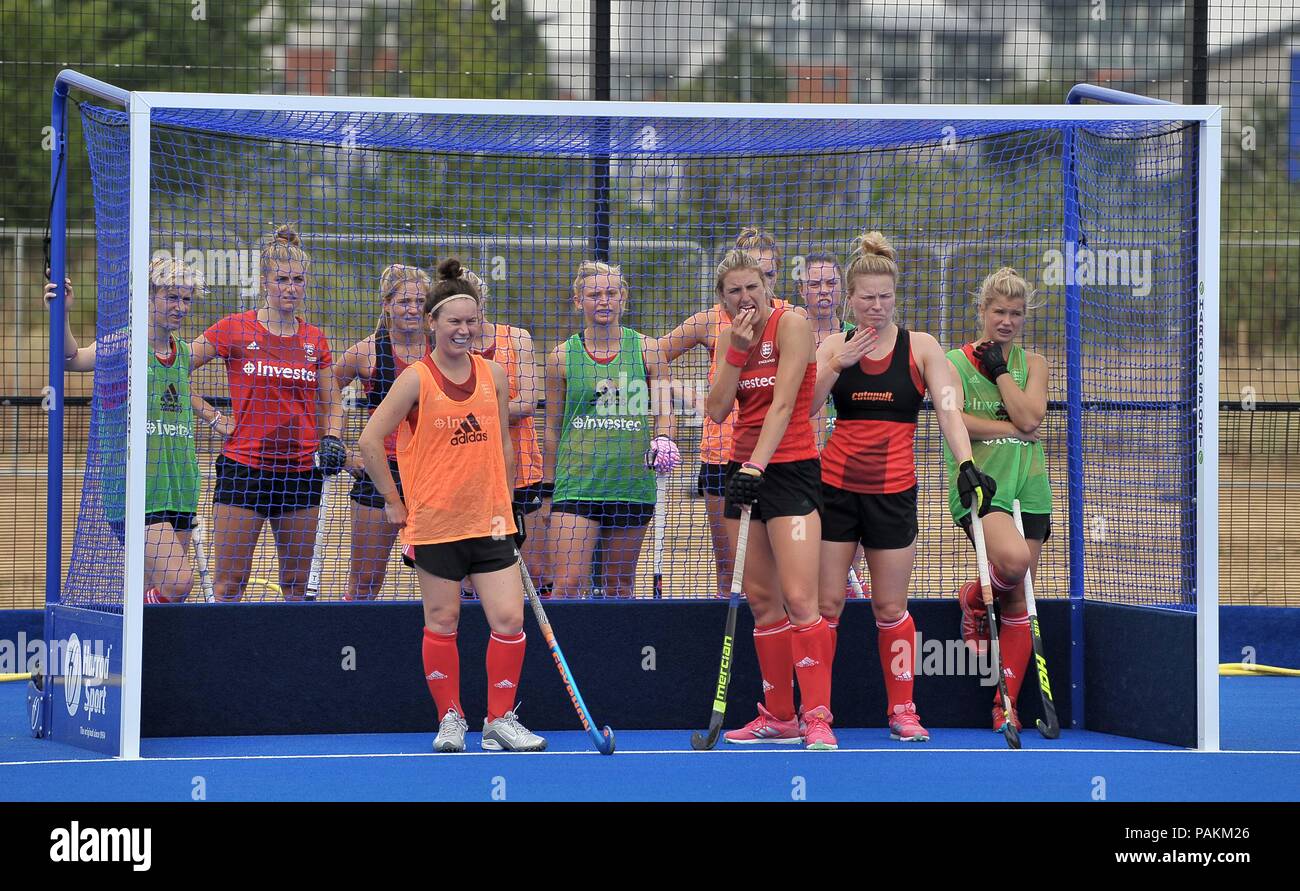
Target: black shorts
(364, 492)
(529, 498)
(610, 514)
(712, 480)
(454, 560)
(790, 489)
(880, 522)
(1038, 527)
(266, 492)
(178, 521)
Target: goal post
(960, 189)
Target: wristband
(215, 419)
(737, 357)
(750, 465)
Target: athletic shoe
(451, 733)
(819, 737)
(506, 734)
(999, 718)
(905, 726)
(974, 617)
(766, 728)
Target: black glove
(991, 361)
(521, 533)
(743, 486)
(970, 478)
(331, 455)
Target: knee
(176, 590)
(442, 621)
(888, 613)
(508, 624)
(1013, 564)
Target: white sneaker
(451, 733)
(506, 734)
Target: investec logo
(757, 383)
(283, 372)
(240, 268)
(85, 677)
(469, 431)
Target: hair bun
(874, 243)
(449, 269)
(287, 234)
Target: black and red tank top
(872, 450)
(388, 365)
(754, 393)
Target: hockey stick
(604, 738)
(855, 583)
(986, 586)
(1051, 727)
(661, 510)
(699, 741)
(201, 559)
(318, 550)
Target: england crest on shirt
(310, 350)
(766, 350)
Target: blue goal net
(339, 220)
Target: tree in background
(475, 49)
(199, 45)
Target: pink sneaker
(974, 617)
(766, 728)
(819, 737)
(905, 726)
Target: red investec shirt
(754, 392)
(273, 386)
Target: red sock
(897, 643)
(774, 659)
(834, 626)
(505, 660)
(812, 652)
(442, 670)
(999, 586)
(1017, 644)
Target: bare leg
(235, 531)
(372, 543)
(295, 541)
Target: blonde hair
(589, 268)
(752, 238)
(173, 272)
(283, 247)
(872, 254)
(477, 283)
(392, 278)
(1008, 283)
(736, 260)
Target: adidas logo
(1008, 672)
(170, 399)
(806, 662)
(435, 675)
(905, 676)
(767, 687)
(470, 431)
(253, 346)
(504, 685)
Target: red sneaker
(818, 737)
(766, 728)
(999, 718)
(974, 617)
(905, 726)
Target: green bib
(172, 467)
(607, 426)
(1019, 468)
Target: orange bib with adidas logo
(452, 463)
